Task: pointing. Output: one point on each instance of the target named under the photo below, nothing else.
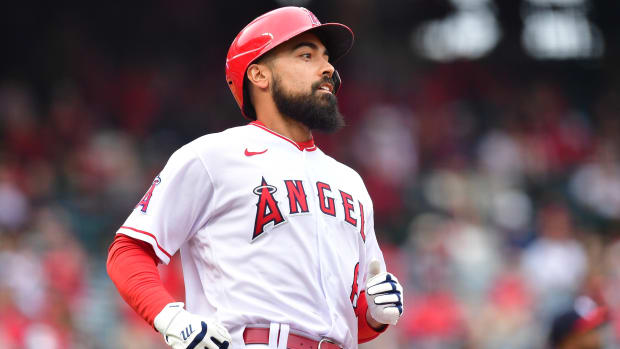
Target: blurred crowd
(497, 198)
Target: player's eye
(306, 55)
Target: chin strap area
(337, 81)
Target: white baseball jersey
(269, 231)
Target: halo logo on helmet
(272, 29)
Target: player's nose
(327, 69)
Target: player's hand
(384, 295)
(184, 330)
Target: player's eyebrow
(311, 45)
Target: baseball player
(276, 238)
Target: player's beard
(317, 110)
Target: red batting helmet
(273, 28)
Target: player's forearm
(132, 267)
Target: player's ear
(259, 75)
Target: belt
(260, 335)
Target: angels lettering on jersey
(268, 210)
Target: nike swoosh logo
(252, 153)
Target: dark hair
(248, 107)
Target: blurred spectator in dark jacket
(579, 327)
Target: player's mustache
(325, 80)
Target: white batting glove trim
(184, 330)
(384, 295)
(166, 316)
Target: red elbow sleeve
(132, 266)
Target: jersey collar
(307, 145)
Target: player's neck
(287, 127)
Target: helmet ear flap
(337, 81)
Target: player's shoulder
(343, 169)
(208, 146)
(217, 142)
(339, 165)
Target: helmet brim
(337, 38)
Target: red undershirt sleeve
(365, 332)
(132, 266)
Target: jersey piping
(307, 145)
(150, 235)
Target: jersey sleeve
(174, 207)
